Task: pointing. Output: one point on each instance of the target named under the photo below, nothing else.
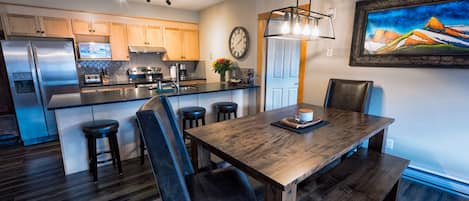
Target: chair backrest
(351, 95)
(165, 157)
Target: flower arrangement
(221, 66)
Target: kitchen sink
(187, 88)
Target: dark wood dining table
(279, 158)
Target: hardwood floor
(35, 173)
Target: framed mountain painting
(411, 33)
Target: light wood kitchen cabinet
(118, 40)
(21, 25)
(145, 35)
(136, 34)
(98, 28)
(28, 25)
(181, 44)
(154, 35)
(190, 45)
(173, 44)
(56, 27)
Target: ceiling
(194, 5)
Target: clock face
(239, 42)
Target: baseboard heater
(442, 182)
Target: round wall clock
(239, 42)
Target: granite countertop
(70, 100)
(130, 82)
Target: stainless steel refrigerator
(37, 70)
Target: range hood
(146, 49)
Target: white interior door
(283, 64)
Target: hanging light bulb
(307, 29)
(297, 29)
(297, 26)
(315, 31)
(285, 29)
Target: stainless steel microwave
(93, 50)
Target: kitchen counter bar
(73, 109)
(71, 100)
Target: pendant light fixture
(295, 23)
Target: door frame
(262, 64)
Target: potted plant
(221, 66)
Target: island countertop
(70, 100)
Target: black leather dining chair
(351, 95)
(171, 166)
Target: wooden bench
(365, 176)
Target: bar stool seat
(100, 127)
(97, 129)
(226, 109)
(192, 114)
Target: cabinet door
(22, 25)
(101, 28)
(173, 44)
(118, 39)
(56, 27)
(154, 36)
(81, 27)
(190, 45)
(136, 34)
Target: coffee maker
(183, 75)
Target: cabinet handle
(43, 32)
(38, 31)
(90, 30)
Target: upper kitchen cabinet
(98, 28)
(27, 25)
(118, 40)
(181, 44)
(56, 27)
(142, 35)
(154, 36)
(173, 44)
(190, 45)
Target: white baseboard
(442, 182)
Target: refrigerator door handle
(34, 73)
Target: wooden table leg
(378, 142)
(200, 157)
(273, 193)
(393, 195)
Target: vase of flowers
(221, 66)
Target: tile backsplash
(118, 69)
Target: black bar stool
(102, 129)
(192, 114)
(225, 109)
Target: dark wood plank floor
(35, 173)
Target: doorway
(282, 73)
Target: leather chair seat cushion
(100, 127)
(227, 184)
(193, 112)
(226, 107)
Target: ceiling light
(295, 23)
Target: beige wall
(429, 105)
(114, 7)
(216, 24)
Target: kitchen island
(74, 109)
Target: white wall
(216, 24)
(429, 105)
(114, 7)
